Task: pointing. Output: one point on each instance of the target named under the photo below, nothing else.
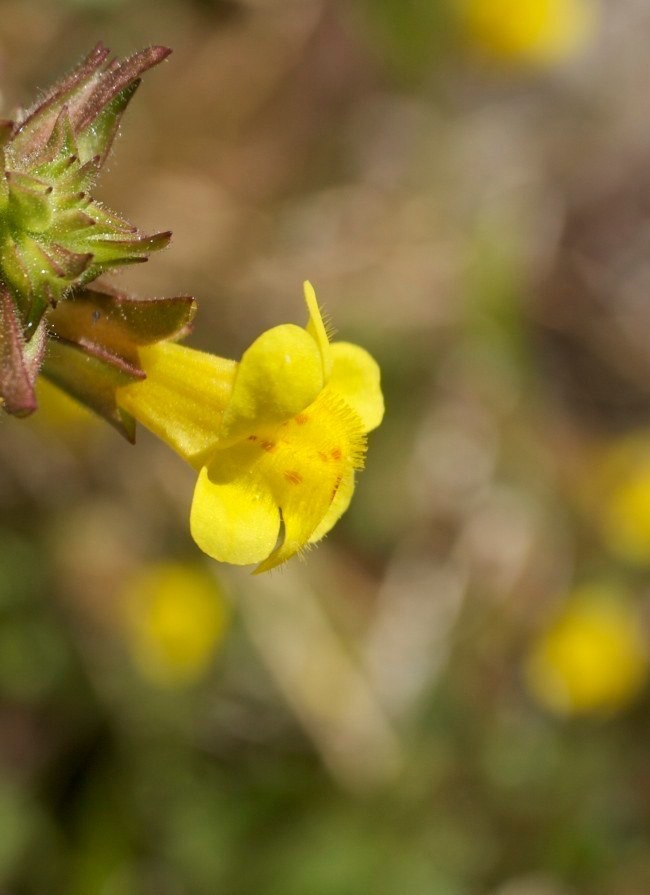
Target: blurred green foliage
(408, 35)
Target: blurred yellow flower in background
(527, 31)
(275, 438)
(59, 413)
(619, 497)
(175, 617)
(593, 657)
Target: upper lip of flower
(281, 374)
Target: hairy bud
(55, 238)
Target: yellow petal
(183, 397)
(301, 514)
(279, 375)
(234, 518)
(302, 511)
(316, 328)
(314, 454)
(356, 378)
(294, 470)
(338, 506)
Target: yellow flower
(276, 438)
(527, 31)
(618, 497)
(175, 617)
(593, 657)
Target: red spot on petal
(337, 453)
(293, 476)
(252, 437)
(301, 419)
(268, 446)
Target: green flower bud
(54, 237)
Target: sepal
(19, 361)
(92, 381)
(94, 345)
(119, 322)
(94, 94)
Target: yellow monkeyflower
(592, 657)
(275, 438)
(527, 31)
(174, 617)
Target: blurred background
(449, 696)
